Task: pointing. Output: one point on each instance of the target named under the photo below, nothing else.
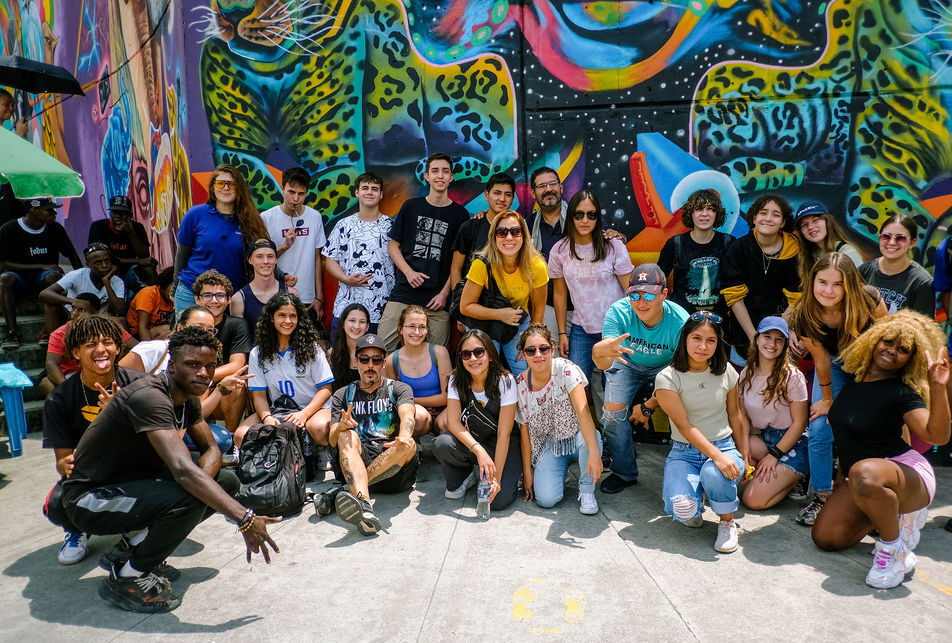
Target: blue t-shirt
(216, 243)
(653, 346)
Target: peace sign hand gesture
(938, 369)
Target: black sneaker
(799, 492)
(324, 503)
(357, 511)
(807, 515)
(149, 593)
(121, 554)
(11, 342)
(615, 483)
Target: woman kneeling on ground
(895, 382)
(424, 367)
(773, 396)
(556, 424)
(698, 392)
(480, 412)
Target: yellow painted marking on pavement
(941, 588)
(536, 601)
(520, 607)
(574, 601)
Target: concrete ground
(436, 573)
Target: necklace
(179, 422)
(766, 258)
(85, 395)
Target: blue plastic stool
(12, 381)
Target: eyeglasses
(225, 185)
(413, 328)
(515, 232)
(591, 216)
(885, 237)
(470, 354)
(550, 184)
(701, 315)
(647, 296)
(214, 296)
(366, 359)
(545, 349)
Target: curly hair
(700, 200)
(463, 381)
(785, 209)
(304, 344)
(191, 336)
(535, 329)
(340, 352)
(858, 305)
(775, 389)
(599, 246)
(91, 327)
(914, 332)
(212, 278)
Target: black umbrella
(36, 77)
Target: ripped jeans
(622, 382)
(688, 473)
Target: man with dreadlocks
(94, 343)
(133, 473)
(882, 479)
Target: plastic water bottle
(482, 499)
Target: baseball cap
(809, 209)
(41, 202)
(647, 278)
(774, 323)
(120, 203)
(258, 244)
(369, 341)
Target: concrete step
(29, 326)
(34, 392)
(34, 417)
(30, 355)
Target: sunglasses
(647, 296)
(225, 185)
(885, 237)
(214, 296)
(366, 359)
(515, 232)
(591, 216)
(701, 315)
(545, 349)
(470, 354)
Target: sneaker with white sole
(807, 515)
(726, 540)
(459, 492)
(587, 503)
(891, 565)
(325, 459)
(909, 526)
(799, 491)
(695, 522)
(357, 511)
(74, 548)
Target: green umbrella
(31, 172)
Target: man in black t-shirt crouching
(132, 472)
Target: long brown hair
(810, 252)
(599, 246)
(249, 221)
(858, 307)
(775, 389)
(527, 253)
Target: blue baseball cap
(809, 209)
(774, 323)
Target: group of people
(485, 331)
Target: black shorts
(400, 481)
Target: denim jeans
(621, 384)
(516, 365)
(580, 350)
(796, 458)
(184, 297)
(688, 473)
(820, 434)
(548, 477)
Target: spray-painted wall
(842, 100)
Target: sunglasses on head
(647, 296)
(225, 185)
(701, 315)
(476, 353)
(591, 215)
(885, 237)
(366, 359)
(515, 232)
(544, 349)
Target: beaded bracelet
(248, 526)
(249, 515)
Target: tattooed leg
(389, 462)
(351, 464)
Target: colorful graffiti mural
(641, 101)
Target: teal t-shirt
(653, 346)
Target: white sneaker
(909, 526)
(587, 503)
(695, 522)
(891, 564)
(456, 494)
(73, 549)
(726, 540)
(325, 459)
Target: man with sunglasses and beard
(639, 337)
(372, 422)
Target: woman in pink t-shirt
(594, 271)
(774, 402)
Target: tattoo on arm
(408, 425)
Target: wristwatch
(646, 411)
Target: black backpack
(271, 470)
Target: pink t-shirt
(593, 286)
(777, 415)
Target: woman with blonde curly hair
(895, 381)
